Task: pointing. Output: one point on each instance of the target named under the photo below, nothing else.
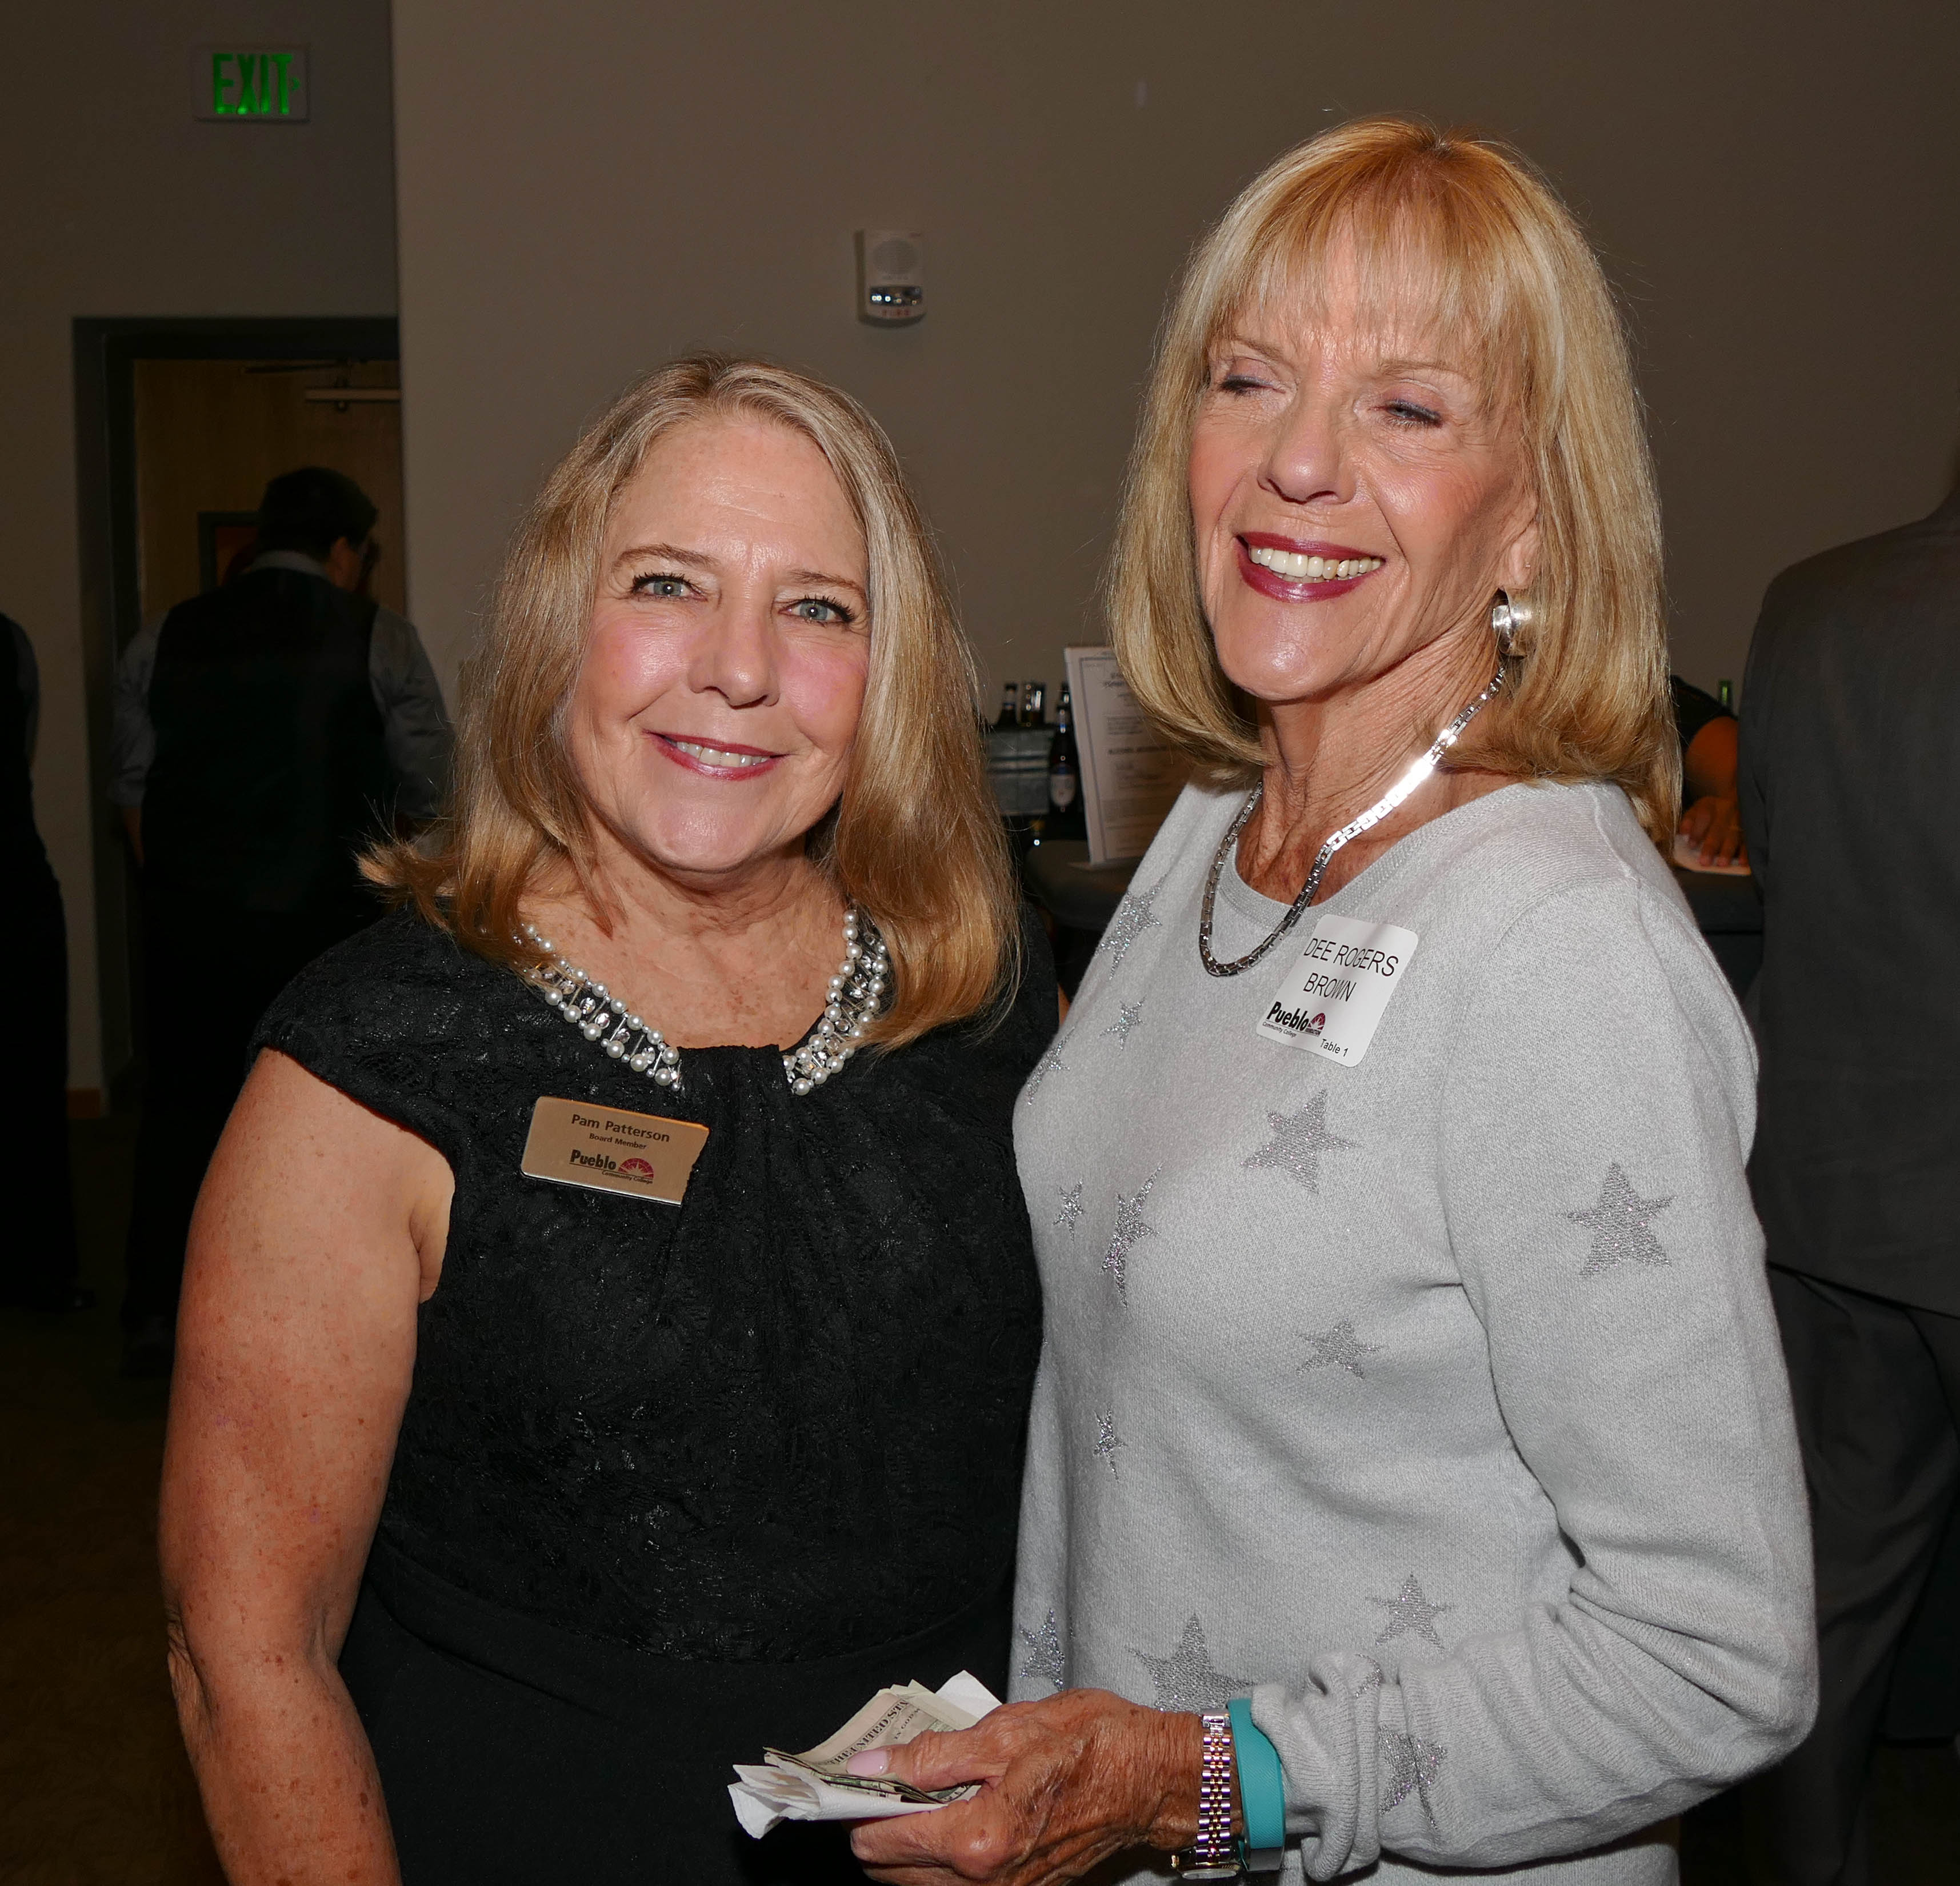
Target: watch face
(1197, 1869)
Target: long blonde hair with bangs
(914, 839)
(1470, 225)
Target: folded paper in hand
(818, 1785)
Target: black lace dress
(675, 1483)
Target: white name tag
(608, 1150)
(1333, 1001)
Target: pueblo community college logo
(638, 1168)
(1318, 1025)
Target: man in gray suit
(1850, 734)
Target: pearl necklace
(856, 995)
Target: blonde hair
(914, 839)
(1503, 265)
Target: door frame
(106, 351)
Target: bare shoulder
(303, 1165)
(318, 1232)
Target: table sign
(1131, 775)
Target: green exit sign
(258, 85)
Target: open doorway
(210, 433)
(180, 425)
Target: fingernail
(869, 1761)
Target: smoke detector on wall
(891, 277)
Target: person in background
(1849, 701)
(1709, 818)
(37, 1254)
(264, 734)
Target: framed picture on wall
(223, 537)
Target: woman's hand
(1064, 1782)
(1712, 822)
(1714, 825)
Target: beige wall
(113, 202)
(586, 188)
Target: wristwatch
(1216, 1854)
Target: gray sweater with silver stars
(1433, 1400)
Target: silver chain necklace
(1375, 813)
(856, 995)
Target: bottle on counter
(1064, 775)
(1010, 706)
(1034, 705)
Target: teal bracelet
(1262, 1788)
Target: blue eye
(664, 586)
(1409, 413)
(818, 609)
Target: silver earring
(1511, 618)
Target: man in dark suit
(1850, 726)
(266, 733)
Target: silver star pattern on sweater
(1126, 1019)
(1372, 1679)
(1619, 1225)
(1045, 1652)
(1130, 1226)
(1340, 1348)
(1107, 1440)
(1299, 1139)
(1051, 1063)
(1133, 916)
(1408, 1765)
(1071, 1207)
(1410, 1610)
(1185, 1679)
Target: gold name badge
(576, 1143)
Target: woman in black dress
(505, 1504)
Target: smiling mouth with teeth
(1296, 567)
(720, 759)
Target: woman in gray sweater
(1411, 1480)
